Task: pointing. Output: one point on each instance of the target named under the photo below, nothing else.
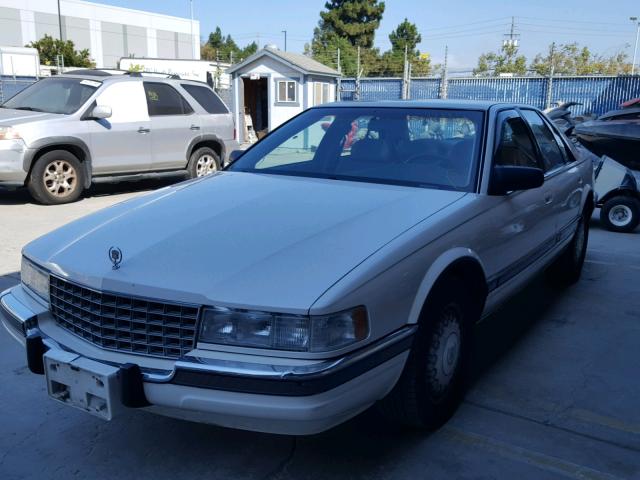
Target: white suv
(61, 133)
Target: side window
(287, 91)
(126, 100)
(206, 98)
(163, 99)
(552, 155)
(514, 146)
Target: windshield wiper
(30, 109)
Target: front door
(173, 126)
(520, 229)
(121, 143)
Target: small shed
(271, 86)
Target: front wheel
(434, 378)
(56, 178)
(620, 214)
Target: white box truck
(19, 62)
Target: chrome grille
(124, 323)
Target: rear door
(216, 118)
(121, 143)
(563, 180)
(173, 126)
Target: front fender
(437, 268)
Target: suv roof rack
(108, 72)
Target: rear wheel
(433, 382)
(56, 178)
(621, 214)
(203, 161)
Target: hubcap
(620, 215)
(60, 178)
(444, 354)
(206, 164)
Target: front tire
(203, 161)
(620, 214)
(433, 382)
(56, 178)
(567, 269)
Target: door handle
(548, 199)
(194, 127)
(143, 130)
(580, 181)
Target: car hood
(258, 240)
(10, 117)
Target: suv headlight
(35, 278)
(9, 133)
(280, 331)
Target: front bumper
(12, 154)
(302, 398)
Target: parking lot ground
(556, 395)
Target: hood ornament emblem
(115, 255)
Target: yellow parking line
(603, 420)
(523, 455)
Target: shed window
(320, 93)
(287, 91)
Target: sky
(467, 27)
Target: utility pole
(635, 49)
(444, 82)
(59, 20)
(339, 83)
(285, 40)
(511, 38)
(405, 74)
(339, 63)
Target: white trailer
(19, 62)
(211, 72)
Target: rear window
(206, 98)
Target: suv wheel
(621, 214)
(434, 378)
(203, 161)
(56, 178)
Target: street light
(635, 49)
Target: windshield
(404, 146)
(54, 95)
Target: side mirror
(510, 179)
(100, 112)
(235, 155)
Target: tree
(49, 49)
(406, 37)
(572, 59)
(224, 48)
(355, 20)
(506, 61)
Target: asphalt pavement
(556, 393)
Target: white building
(271, 86)
(108, 32)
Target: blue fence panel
(597, 94)
(9, 86)
(531, 91)
(424, 88)
(372, 89)
(347, 89)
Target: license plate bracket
(82, 383)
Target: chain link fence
(597, 94)
(9, 86)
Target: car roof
(435, 103)
(123, 76)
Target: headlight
(298, 333)
(34, 278)
(9, 133)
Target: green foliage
(506, 61)
(355, 20)
(136, 68)
(405, 35)
(49, 48)
(225, 49)
(571, 59)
